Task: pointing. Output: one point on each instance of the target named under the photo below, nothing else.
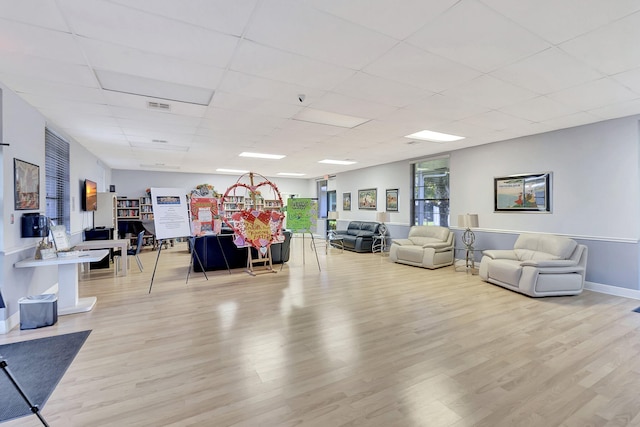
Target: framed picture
(26, 185)
(523, 193)
(346, 201)
(368, 199)
(392, 200)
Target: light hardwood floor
(362, 342)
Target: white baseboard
(612, 290)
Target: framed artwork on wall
(523, 193)
(346, 201)
(392, 200)
(368, 199)
(26, 185)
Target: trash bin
(38, 310)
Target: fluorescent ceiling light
(428, 135)
(337, 162)
(159, 146)
(231, 170)
(328, 118)
(160, 166)
(262, 155)
(142, 86)
(290, 174)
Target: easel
(313, 245)
(34, 408)
(193, 252)
(262, 258)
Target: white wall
(595, 186)
(24, 128)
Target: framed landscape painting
(392, 200)
(523, 193)
(346, 201)
(368, 199)
(26, 185)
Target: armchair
(428, 246)
(539, 265)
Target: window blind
(57, 179)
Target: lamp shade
(468, 221)
(332, 215)
(383, 217)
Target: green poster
(302, 215)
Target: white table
(68, 301)
(121, 244)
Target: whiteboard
(170, 213)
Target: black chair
(134, 252)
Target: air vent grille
(159, 106)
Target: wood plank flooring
(363, 342)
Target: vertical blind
(57, 179)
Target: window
(56, 152)
(431, 192)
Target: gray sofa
(358, 237)
(538, 265)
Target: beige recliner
(539, 265)
(428, 246)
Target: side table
(469, 265)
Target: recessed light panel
(328, 118)
(231, 170)
(428, 135)
(142, 86)
(262, 155)
(337, 162)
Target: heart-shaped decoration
(253, 226)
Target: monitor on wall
(90, 196)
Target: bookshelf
(128, 208)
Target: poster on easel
(170, 213)
(302, 215)
(205, 217)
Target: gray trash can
(38, 310)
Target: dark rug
(37, 365)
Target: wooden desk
(68, 301)
(121, 244)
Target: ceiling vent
(159, 141)
(158, 106)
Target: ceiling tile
(399, 21)
(380, 90)
(220, 15)
(538, 109)
(291, 26)
(289, 68)
(490, 92)
(148, 32)
(474, 35)
(594, 94)
(547, 71)
(558, 21)
(610, 49)
(410, 65)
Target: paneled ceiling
(186, 86)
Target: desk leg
(68, 301)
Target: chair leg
(139, 263)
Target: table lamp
(468, 221)
(383, 217)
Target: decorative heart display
(254, 227)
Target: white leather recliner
(428, 246)
(539, 265)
